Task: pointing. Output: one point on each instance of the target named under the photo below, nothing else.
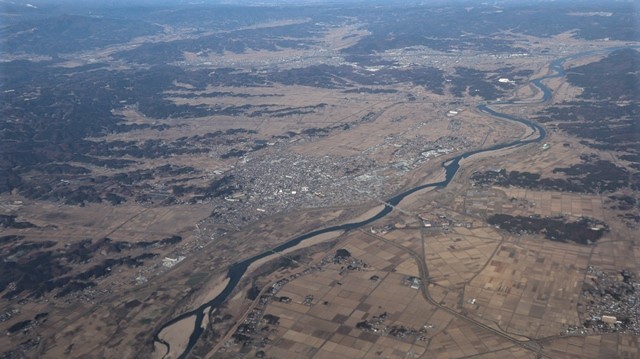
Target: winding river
(451, 166)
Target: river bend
(451, 166)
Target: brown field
(484, 293)
(523, 286)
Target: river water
(451, 166)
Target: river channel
(451, 166)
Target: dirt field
(432, 279)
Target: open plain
(319, 181)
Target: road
(530, 344)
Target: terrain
(168, 175)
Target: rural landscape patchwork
(319, 179)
